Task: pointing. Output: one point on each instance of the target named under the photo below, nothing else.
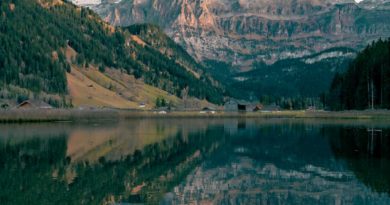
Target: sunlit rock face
(244, 31)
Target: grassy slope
(112, 89)
(78, 37)
(85, 92)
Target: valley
(188, 53)
(242, 34)
(195, 102)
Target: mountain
(234, 38)
(245, 31)
(366, 83)
(61, 53)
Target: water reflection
(366, 152)
(196, 162)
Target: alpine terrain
(54, 51)
(243, 34)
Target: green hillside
(33, 38)
(155, 36)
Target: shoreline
(75, 115)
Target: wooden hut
(33, 104)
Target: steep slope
(35, 37)
(153, 35)
(244, 31)
(89, 87)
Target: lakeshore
(74, 115)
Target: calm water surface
(196, 162)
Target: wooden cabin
(33, 104)
(238, 105)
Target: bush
(4, 106)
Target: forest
(35, 34)
(366, 83)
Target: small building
(33, 104)
(238, 106)
(231, 105)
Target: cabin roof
(35, 104)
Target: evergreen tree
(34, 38)
(366, 84)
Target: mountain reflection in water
(190, 161)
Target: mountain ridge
(231, 38)
(244, 31)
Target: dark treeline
(33, 38)
(293, 77)
(366, 83)
(291, 103)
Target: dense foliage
(155, 36)
(366, 84)
(291, 83)
(26, 49)
(294, 77)
(176, 59)
(34, 35)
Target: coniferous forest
(35, 34)
(366, 83)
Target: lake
(196, 161)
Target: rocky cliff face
(244, 31)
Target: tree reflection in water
(290, 163)
(227, 162)
(38, 171)
(367, 153)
